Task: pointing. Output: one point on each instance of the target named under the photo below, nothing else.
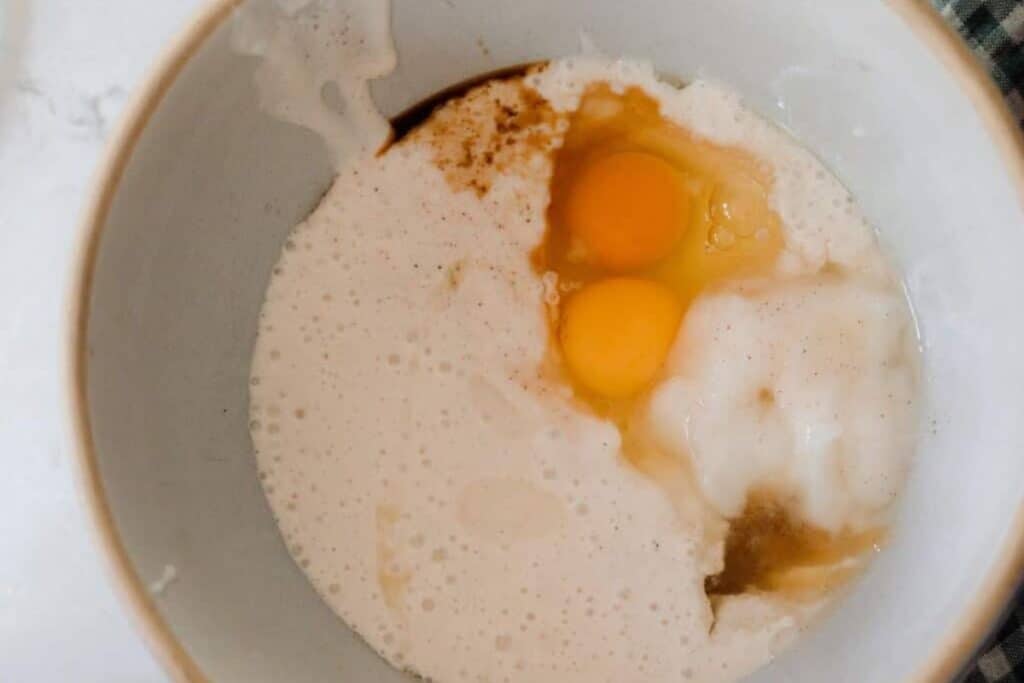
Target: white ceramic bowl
(201, 187)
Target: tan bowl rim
(950, 656)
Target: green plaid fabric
(1003, 659)
(995, 31)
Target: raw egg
(635, 194)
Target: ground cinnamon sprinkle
(495, 129)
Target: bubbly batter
(489, 472)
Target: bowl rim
(951, 655)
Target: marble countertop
(67, 68)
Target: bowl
(200, 188)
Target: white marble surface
(66, 70)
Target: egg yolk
(628, 209)
(616, 333)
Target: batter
(505, 445)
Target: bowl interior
(213, 186)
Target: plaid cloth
(1004, 662)
(995, 31)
